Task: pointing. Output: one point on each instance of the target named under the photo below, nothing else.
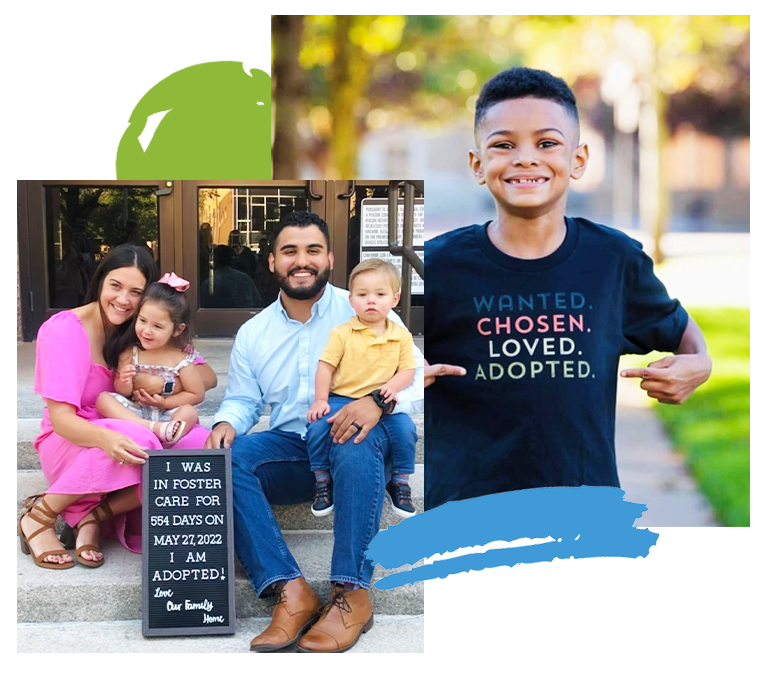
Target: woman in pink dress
(93, 465)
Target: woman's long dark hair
(175, 303)
(125, 255)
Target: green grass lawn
(712, 428)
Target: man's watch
(387, 407)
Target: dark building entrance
(213, 233)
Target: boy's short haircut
(525, 83)
(382, 266)
(300, 219)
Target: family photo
(317, 394)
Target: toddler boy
(369, 355)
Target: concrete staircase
(99, 610)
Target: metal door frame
(32, 247)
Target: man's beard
(305, 292)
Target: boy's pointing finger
(657, 373)
(641, 372)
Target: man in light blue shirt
(274, 361)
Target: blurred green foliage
(712, 428)
(431, 68)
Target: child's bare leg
(187, 413)
(110, 408)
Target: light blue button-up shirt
(274, 361)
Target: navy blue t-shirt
(540, 340)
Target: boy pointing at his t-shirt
(534, 309)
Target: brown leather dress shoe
(297, 607)
(344, 619)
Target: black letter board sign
(188, 556)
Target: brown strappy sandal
(69, 536)
(37, 508)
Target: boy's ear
(580, 161)
(181, 327)
(474, 161)
(397, 297)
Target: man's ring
(358, 427)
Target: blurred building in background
(708, 178)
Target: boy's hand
(318, 410)
(673, 379)
(126, 373)
(431, 372)
(389, 393)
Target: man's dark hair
(300, 219)
(525, 83)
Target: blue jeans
(272, 468)
(400, 429)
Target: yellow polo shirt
(364, 361)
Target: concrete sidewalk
(651, 472)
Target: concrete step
(28, 429)
(113, 591)
(293, 517)
(390, 634)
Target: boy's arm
(399, 381)
(322, 381)
(411, 397)
(673, 379)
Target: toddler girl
(160, 345)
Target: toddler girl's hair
(384, 267)
(177, 306)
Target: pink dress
(65, 372)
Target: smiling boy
(537, 308)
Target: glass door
(226, 231)
(67, 227)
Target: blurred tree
(371, 72)
(289, 94)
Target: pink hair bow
(175, 282)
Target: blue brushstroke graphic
(583, 522)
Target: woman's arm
(209, 380)
(81, 432)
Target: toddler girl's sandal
(165, 434)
